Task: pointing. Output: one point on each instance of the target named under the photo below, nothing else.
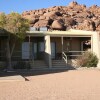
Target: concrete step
(59, 66)
(39, 67)
(58, 63)
(39, 64)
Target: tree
(16, 27)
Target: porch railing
(64, 56)
(71, 54)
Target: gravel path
(69, 85)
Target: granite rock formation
(73, 16)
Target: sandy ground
(69, 85)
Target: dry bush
(88, 59)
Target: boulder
(42, 17)
(72, 4)
(41, 23)
(70, 21)
(98, 28)
(58, 24)
(79, 20)
(74, 16)
(33, 21)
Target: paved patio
(12, 78)
(62, 85)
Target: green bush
(87, 59)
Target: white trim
(68, 33)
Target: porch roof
(68, 33)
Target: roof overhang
(68, 33)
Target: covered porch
(71, 46)
(66, 49)
(45, 49)
(61, 46)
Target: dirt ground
(67, 85)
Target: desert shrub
(88, 59)
(22, 65)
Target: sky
(19, 6)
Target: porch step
(38, 64)
(58, 63)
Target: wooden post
(91, 43)
(8, 55)
(29, 49)
(62, 45)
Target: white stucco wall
(48, 50)
(96, 46)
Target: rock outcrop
(73, 16)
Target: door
(41, 50)
(37, 50)
(41, 46)
(53, 50)
(34, 50)
(25, 50)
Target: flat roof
(71, 32)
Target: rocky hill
(73, 16)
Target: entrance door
(25, 50)
(34, 50)
(41, 49)
(53, 50)
(41, 46)
(37, 50)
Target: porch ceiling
(69, 33)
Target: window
(32, 28)
(43, 29)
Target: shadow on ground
(35, 72)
